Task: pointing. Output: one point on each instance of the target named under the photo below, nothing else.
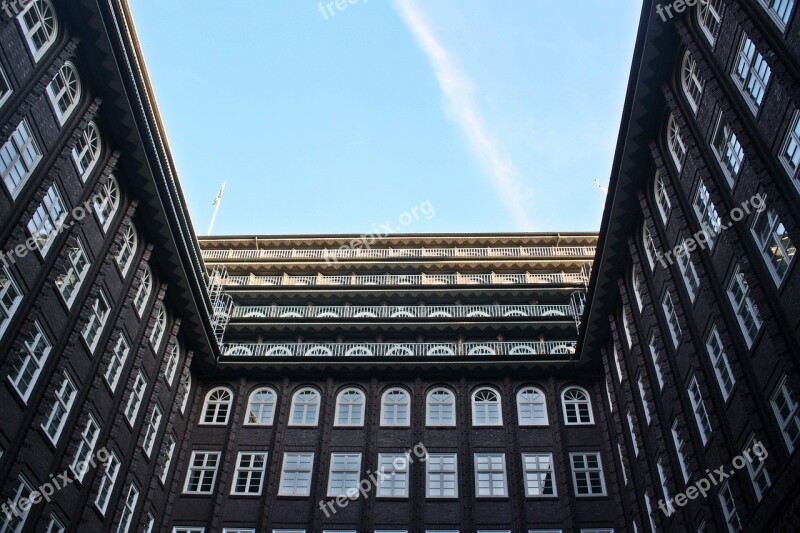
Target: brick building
(249, 383)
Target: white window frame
(441, 407)
(485, 418)
(45, 21)
(352, 410)
(136, 398)
(634, 429)
(626, 326)
(45, 223)
(19, 157)
(701, 418)
(60, 409)
(657, 357)
(127, 250)
(757, 470)
(202, 463)
(688, 271)
(393, 475)
(728, 150)
(116, 365)
(744, 308)
(780, 11)
(490, 468)
(643, 396)
(649, 244)
(680, 445)
(98, 318)
(85, 449)
(344, 474)
(671, 316)
(707, 214)
(248, 472)
(55, 525)
(64, 91)
(159, 326)
(298, 459)
(30, 361)
(10, 298)
(751, 73)
(662, 477)
(537, 470)
(575, 403)
(16, 523)
(109, 199)
(301, 407)
(261, 412)
(169, 452)
(107, 483)
(396, 408)
(126, 517)
(636, 284)
(528, 398)
(437, 472)
(729, 511)
(622, 463)
(719, 360)
(587, 471)
(217, 410)
(709, 15)
(70, 282)
(86, 152)
(171, 365)
(787, 413)
(151, 431)
(143, 292)
(677, 146)
(691, 82)
(790, 150)
(5, 87)
(775, 244)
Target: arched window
(106, 202)
(261, 407)
(39, 24)
(440, 408)
(677, 147)
(531, 407)
(486, 408)
(86, 152)
(350, 408)
(64, 91)
(395, 408)
(709, 15)
(143, 292)
(127, 249)
(217, 407)
(576, 406)
(690, 79)
(159, 327)
(305, 408)
(662, 198)
(172, 364)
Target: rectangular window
(5, 87)
(661, 466)
(719, 360)
(637, 289)
(680, 449)
(622, 463)
(699, 409)
(672, 319)
(60, 408)
(127, 511)
(135, 399)
(790, 153)
(172, 365)
(18, 157)
(779, 10)
(184, 529)
(634, 432)
(296, 474)
(618, 362)
(729, 508)
(10, 297)
(688, 271)
(15, 522)
(787, 412)
(117, 362)
(202, 473)
(707, 214)
(47, 219)
(587, 474)
(249, 476)
(441, 475)
(490, 475)
(626, 326)
(76, 268)
(643, 396)
(744, 307)
(658, 361)
(54, 525)
(751, 73)
(149, 524)
(85, 451)
(151, 431)
(774, 242)
(393, 475)
(107, 483)
(98, 316)
(759, 475)
(728, 150)
(540, 479)
(30, 361)
(344, 474)
(649, 507)
(169, 451)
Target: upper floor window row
(440, 407)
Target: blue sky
(477, 115)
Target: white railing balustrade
(411, 279)
(401, 311)
(402, 349)
(335, 254)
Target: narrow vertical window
(261, 407)
(672, 319)
(106, 202)
(151, 431)
(677, 146)
(690, 79)
(707, 214)
(756, 468)
(64, 92)
(5, 87)
(732, 519)
(143, 291)
(60, 408)
(634, 432)
(688, 272)
(19, 156)
(751, 73)
(728, 150)
(171, 366)
(680, 449)
(126, 518)
(719, 360)
(15, 523)
(80, 461)
(662, 197)
(86, 151)
(744, 307)
(699, 409)
(787, 413)
(661, 467)
(168, 453)
(45, 222)
(790, 153)
(773, 240)
(658, 360)
(636, 283)
(119, 356)
(75, 270)
(643, 397)
(107, 483)
(127, 250)
(136, 397)
(159, 326)
(98, 317)
(30, 361)
(709, 15)
(649, 246)
(10, 298)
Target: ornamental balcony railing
(334, 254)
(412, 279)
(402, 311)
(402, 349)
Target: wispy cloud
(457, 91)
